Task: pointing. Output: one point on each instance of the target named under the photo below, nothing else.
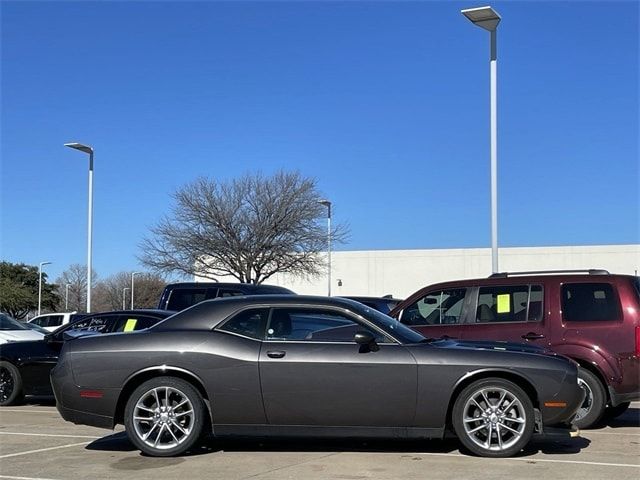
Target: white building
(402, 272)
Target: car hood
(19, 335)
(492, 345)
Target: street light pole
(124, 296)
(327, 204)
(133, 274)
(66, 296)
(488, 18)
(89, 150)
(40, 285)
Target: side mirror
(366, 341)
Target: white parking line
(9, 477)
(520, 459)
(587, 433)
(49, 435)
(26, 411)
(42, 450)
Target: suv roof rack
(590, 271)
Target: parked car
(592, 317)
(11, 330)
(178, 296)
(382, 304)
(53, 321)
(25, 366)
(310, 366)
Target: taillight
(638, 341)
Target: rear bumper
(85, 418)
(618, 398)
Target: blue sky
(385, 103)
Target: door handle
(532, 336)
(447, 337)
(276, 354)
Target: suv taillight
(638, 341)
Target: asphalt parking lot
(35, 443)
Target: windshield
(8, 323)
(390, 325)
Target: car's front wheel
(493, 417)
(10, 384)
(165, 416)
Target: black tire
(592, 409)
(11, 392)
(168, 421)
(495, 423)
(612, 412)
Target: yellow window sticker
(504, 305)
(130, 325)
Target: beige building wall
(402, 272)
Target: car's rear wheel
(493, 418)
(10, 384)
(592, 408)
(165, 416)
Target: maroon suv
(592, 317)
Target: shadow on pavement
(120, 443)
(630, 418)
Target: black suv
(178, 296)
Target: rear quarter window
(589, 302)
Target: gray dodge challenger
(284, 365)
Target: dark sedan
(25, 366)
(284, 365)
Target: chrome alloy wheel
(494, 418)
(163, 418)
(585, 408)
(7, 384)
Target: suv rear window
(589, 302)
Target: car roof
(152, 311)
(541, 278)
(199, 316)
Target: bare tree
(76, 277)
(249, 228)
(110, 292)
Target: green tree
(19, 290)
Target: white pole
(133, 274)
(494, 151)
(66, 297)
(90, 232)
(329, 251)
(40, 285)
(39, 288)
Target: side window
(99, 323)
(314, 325)
(229, 293)
(248, 323)
(182, 298)
(436, 308)
(510, 303)
(131, 323)
(55, 321)
(589, 302)
(41, 322)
